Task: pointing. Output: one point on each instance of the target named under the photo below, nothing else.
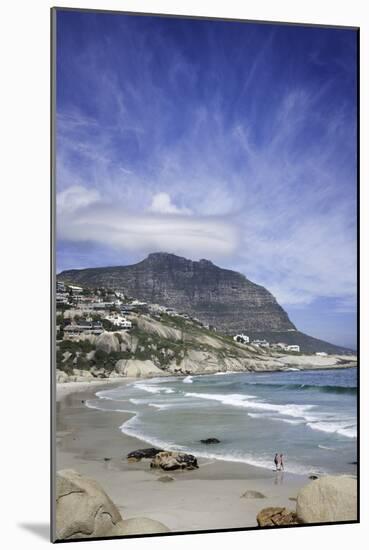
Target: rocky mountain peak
(161, 256)
(216, 296)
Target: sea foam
(249, 402)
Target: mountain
(216, 296)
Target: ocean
(309, 416)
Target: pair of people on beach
(278, 461)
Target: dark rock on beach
(135, 456)
(210, 441)
(172, 460)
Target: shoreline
(86, 437)
(66, 388)
(134, 426)
(145, 439)
(71, 386)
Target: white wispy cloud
(75, 198)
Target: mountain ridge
(219, 297)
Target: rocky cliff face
(216, 296)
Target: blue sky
(234, 142)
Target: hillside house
(260, 343)
(75, 329)
(97, 327)
(62, 298)
(119, 321)
(138, 303)
(126, 308)
(60, 286)
(171, 312)
(75, 289)
(241, 338)
(184, 316)
(83, 327)
(281, 345)
(293, 347)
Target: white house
(241, 338)
(126, 324)
(138, 303)
(83, 327)
(260, 343)
(171, 312)
(60, 286)
(75, 289)
(293, 347)
(119, 321)
(62, 298)
(281, 345)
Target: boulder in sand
(272, 516)
(135, 456)
(172, 460)
(328, 499)
(83, 509)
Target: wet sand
(207, 498)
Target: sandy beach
(207, 498)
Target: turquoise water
(309, 416)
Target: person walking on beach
(281, 463)
(276, 461)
